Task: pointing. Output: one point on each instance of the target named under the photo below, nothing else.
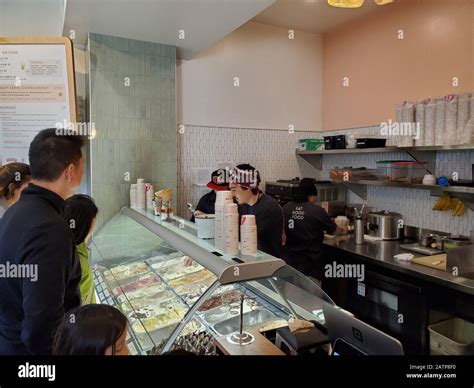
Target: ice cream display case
(180, 292)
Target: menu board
(36, 91)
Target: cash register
(350, 336)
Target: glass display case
(179, 291)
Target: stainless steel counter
(382, 252)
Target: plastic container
(402, 171)
(454, 336)
(311, 144)
(349, 174)
(205, 226)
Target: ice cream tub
(205, 225)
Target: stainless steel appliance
(455, 242)
(381, 301)
(432, 242)
(385, 225)
(418, 248)
(329, 196)
(359, 231)
(361, 208)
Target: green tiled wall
(136, 124)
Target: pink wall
(438, 45)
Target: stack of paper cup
(222, 198)
(231, 229)
(133, 195)
(248, 235)
(141, 203)
(149, 195)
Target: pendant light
(346, 3)
(355, 3)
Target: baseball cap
(245, 175)
(218, 180)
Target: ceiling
(204, 21)
(31, 17)
(314, 16)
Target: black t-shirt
(269, 218)
(207, 203)
(305, 224)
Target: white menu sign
(34, 95)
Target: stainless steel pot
(385, 225)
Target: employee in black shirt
(206, 204)
(305, 224)
(37, 243)
(244, 183)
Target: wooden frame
(53, 40)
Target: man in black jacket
(41, 273)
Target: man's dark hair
(51, 151)
(82, 210)
(256, 174)
(89, 330)
(305, 189)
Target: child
(80, 213)
(94, 330)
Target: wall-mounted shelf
(427, 153)
(359, 187)
(387, 149)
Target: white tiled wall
(273, 153)
(414, 205)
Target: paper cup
(248, 220)
(249, 248)
(248, 237)
(224, 196)
(231, 208)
